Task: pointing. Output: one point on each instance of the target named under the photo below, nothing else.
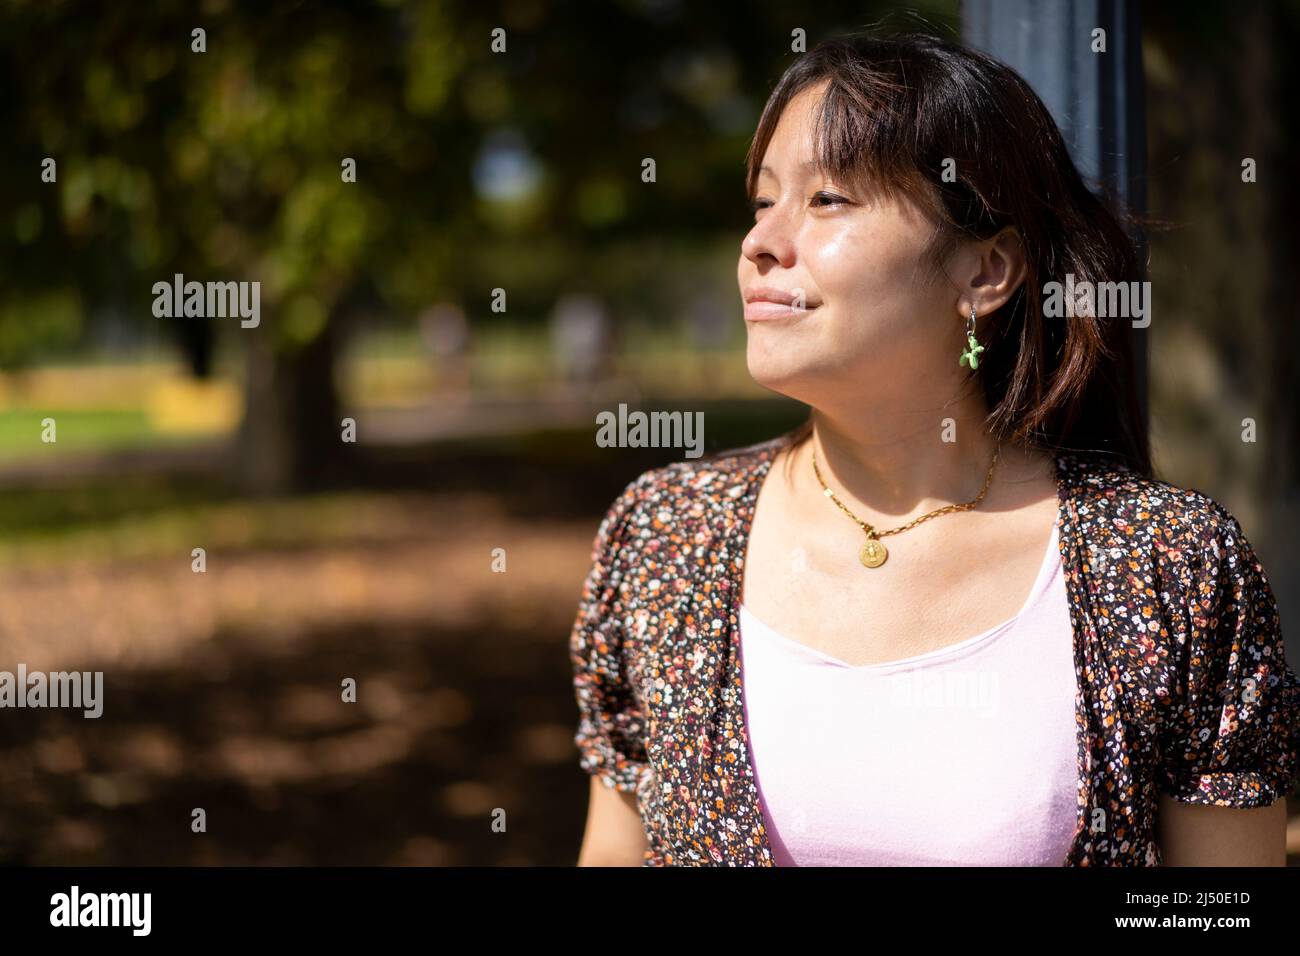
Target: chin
(777, 372)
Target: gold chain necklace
(873, 553)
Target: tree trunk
(291, 437)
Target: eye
(825, 199)
(756, 204)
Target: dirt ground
(222, 691)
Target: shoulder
(1170, 568)
(676, 502)
(1117, 507)
(680, 489)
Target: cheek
(871, 270)
(850, 259)
(839, 259)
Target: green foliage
(225, 164)
(37, 323)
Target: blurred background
(475, 171)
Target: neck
(891, 466)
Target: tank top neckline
(1046, 573)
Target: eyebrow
(805, 166)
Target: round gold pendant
(873, 553)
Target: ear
(995, 268)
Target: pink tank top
(965, 756)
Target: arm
(1203, 835)
(614, 835)
(1230, 751)
(610, 735)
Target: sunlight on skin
(1201, 835)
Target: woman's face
(875, 316)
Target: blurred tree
(475, 169)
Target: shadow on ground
(449, 732)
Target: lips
(765, 303)
(760, 310)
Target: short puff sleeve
(611, 723)
(1232, 741)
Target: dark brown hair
(894, 109)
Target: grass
(102, 406)
(22, 431)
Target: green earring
(973, 349)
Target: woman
(973, 626)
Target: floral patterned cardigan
(1182, 686)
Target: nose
(771, 240)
